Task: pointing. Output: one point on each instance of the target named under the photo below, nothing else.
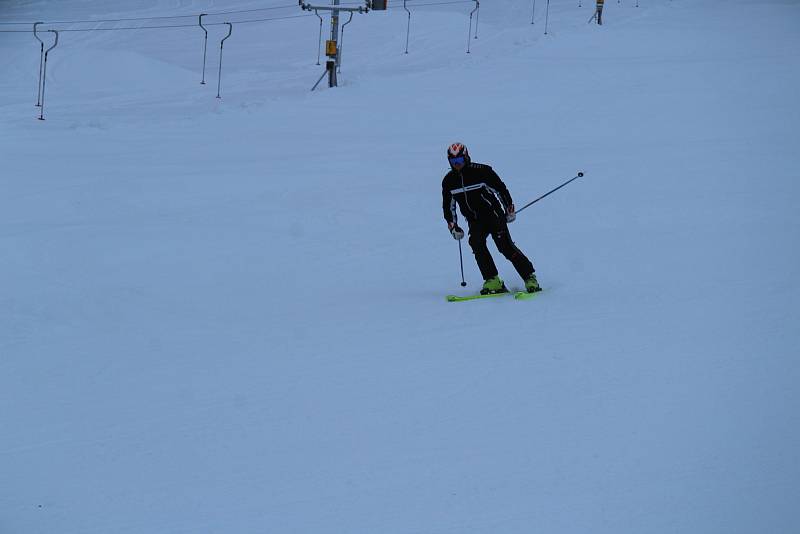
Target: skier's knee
(477, 243)
(510, 254)
(507, 248)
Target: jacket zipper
(474, 213)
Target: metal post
(205, 46)
(219, 77)
(332, 48)
(408, 26)
(319, 41)
(469, 36)
(341, 44)
(533, 12)
(44, 72)
(41, 62)
(477, 17)
(335, 39)
(546, 17)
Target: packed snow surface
(228, 315)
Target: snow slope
(228, 315)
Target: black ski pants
(479, 230)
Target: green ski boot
(532, 285)
(493, 285)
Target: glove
(511, 215)
(456, 232)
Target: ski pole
(461, 259)
(580, 174)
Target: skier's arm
(449, 209)
(448, 206)
(494, 181)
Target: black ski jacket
(479, 192)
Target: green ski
(519, 295)
(456, 298)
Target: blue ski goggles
(456, 161)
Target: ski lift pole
(205, 47)
(332, 45)
(471, 13)
(221, 43)
(408, 25)
(579, 175)
(41, 62)
(44, 72)
(598, 12)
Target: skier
(598, 14)
(486, 204)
